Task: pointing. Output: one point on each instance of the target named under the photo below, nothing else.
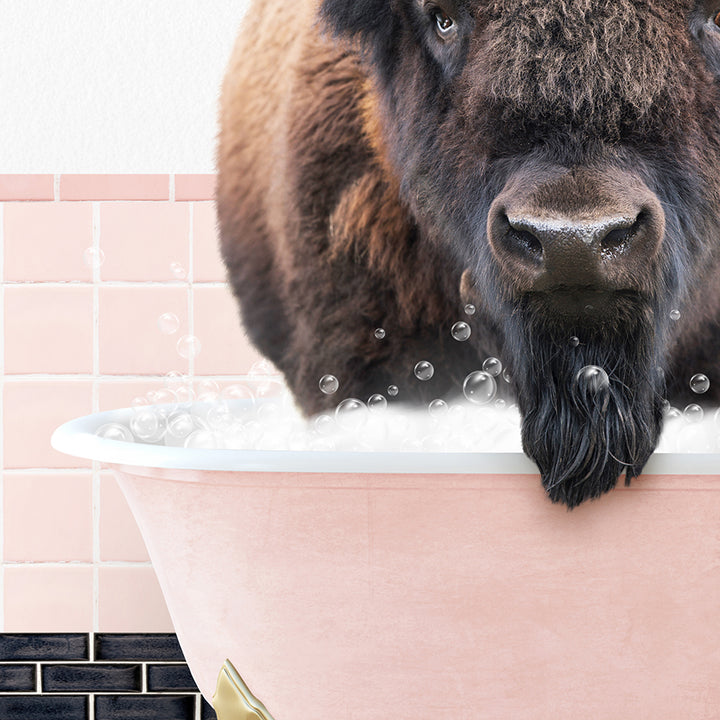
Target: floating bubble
(470, 309)
(178, 270)
(168, 323)
(671, 413)
(262, 367)
(592, 379)
(693, 413)
(146, 424)
(424, 370)
(500, 404)
(461, 331)
(379, 333)
(219, 417)
(506, 376)
(184, 394)
(392, 390)
(438, 408)
(188, 346)
(674, 314)
(699, 383)
(479, 387)
(208, 386)
(115, 431)
(93, 257)
(329, 384)
(377, 402)
(139, 401)
(574, 341)
(492, 366)
(351, 414)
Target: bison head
(566, 156)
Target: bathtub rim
(77, 438)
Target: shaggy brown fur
(361, 157)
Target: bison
(556, 163)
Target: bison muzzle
(554, 162)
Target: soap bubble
(438, 408)
(168, 323)
(699, 383)
(147, 424)
(379, 333)
(329, 384)
(236, 391)
(500, 404)
(219, 416)
(470, 309)
(208, 390)
(424, 370)
(178, 270)
(506, 376)
(324, 425)
(461, 331)
(93, 257)
(693, 413)
(351, 414)
(492, 366)
(262, 367)
(115, 431)
(592, 379)
(672, 413)
(180, 425)
(376, 402)
(204, 440)
(674, 314)
(188, 346)
(392, 390)
(574, 341)
(479, 387)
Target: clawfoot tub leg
(233, 700)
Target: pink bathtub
(418, 586)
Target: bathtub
(418, 586)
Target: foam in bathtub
(233, 700)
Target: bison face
(566, 156)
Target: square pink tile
(120, 538)
(32, 409)
(121, 392)
(114, 187)
(47, 241)
(27, 187)
(195, 187)
(130, 600)
(48, 599)
(48, 329)
(226, 348)
(142, 240)
(207, 263)
(131, 341)
(48, 517)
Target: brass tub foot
(233, 700)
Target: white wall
(112, 85)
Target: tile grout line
(2, 414)
(190, 286)
(56, 187)
(96, 229)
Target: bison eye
(717, 19)
(445, 24)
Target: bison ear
(357, 18)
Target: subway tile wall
(79, 336)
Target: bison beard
(583, 439)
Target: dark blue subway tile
(170, 677)
(206, 710)
(44, 646)
(91, 678)
(41, 707)
(136, 646)
(144, 707)
(17, 678)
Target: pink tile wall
(88, 264)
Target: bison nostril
(527, 243)
(619, 238)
